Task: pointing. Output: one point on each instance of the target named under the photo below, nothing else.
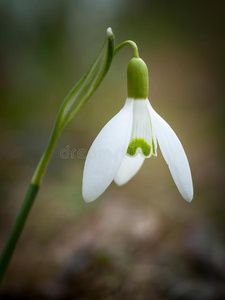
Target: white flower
(121, 147)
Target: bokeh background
(141, 241)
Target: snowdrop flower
(130, 137)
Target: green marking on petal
(153, 148)
(138, 143)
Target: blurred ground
(141, 241)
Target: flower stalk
(128, 43)
(71, 105)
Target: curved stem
(128, 43)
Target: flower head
(130, 137)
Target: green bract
(86, 86)
(76, 98)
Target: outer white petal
(107, 152)
(128, 168)
(173, 154)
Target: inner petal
(142, 136)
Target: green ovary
(138, 143)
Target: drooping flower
(130, 137)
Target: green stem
(44, 161)
(71, 105)
(128, 43)
(26, 207)
(17, 229)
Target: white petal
(173, 154)
(128, 168)
(107, 152)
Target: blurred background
(141, 241)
